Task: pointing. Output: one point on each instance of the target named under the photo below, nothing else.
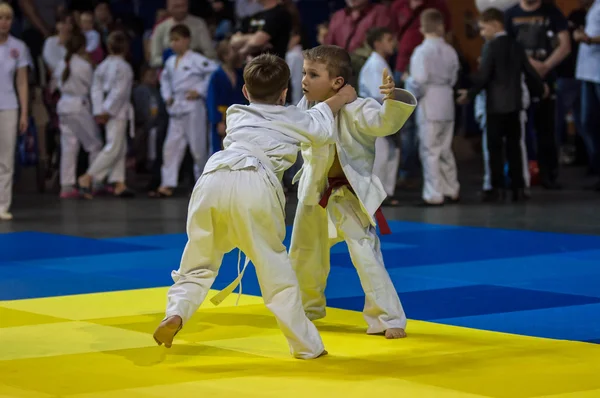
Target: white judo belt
(223, 294)
(250, 150)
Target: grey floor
(572, 210)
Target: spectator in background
(179, 14)
(104, 20)
(224, 90)
(150, 115)
(295, 61)
(93, 41)
(406, 22)
(54, 47)
(588, 71)
(222, 21)
(568, 89)
(322, 31)
(39, 20)
(267, 31)
(161, 15)
(348, 27)
(15, 60)
(246, 8)
(542, 30)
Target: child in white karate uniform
(434, 70)
(387, 153)
(239, 202)
(339, 197)
(74, 77)
(184, 87)
(111, 106)
(14, 104)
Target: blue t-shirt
(537, 31)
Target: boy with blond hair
(239, 202)
(338, 192)
(434, 70)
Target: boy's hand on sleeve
(348, 93)
(387, 87)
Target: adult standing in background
(179, 14)
(39, 19)
(268, 30)
(348, 27)
(15, 60)
(542, 29)
(568, 89)
(588, 71)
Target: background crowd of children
(399, 35)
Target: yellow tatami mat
(100, 345)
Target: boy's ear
(283, 97)
(245, 92)
(338, 83)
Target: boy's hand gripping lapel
(387, 87)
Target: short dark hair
(336, 60)
(266, 76)
(117, 42)
(181, 30)
(376, 34)
(492, 15)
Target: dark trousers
(545, 133)
(504, 130)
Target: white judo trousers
(110, 162)
(185, 129)
(437, 159)
(387, 161)
(312, 238)
(77, 129)
(241, 208)
(9, 120)
(487, 176)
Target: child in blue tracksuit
(224, 90)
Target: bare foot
(395, 333)
(166, 331)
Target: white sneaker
(6, 216)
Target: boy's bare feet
(166, 331)
(395, 333)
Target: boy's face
(86, 21)
(386, 45)
(151, 77)
(317, 85)
(488, 30)
(179, 44)
(322, 33)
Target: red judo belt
(338, 182)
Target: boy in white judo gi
(338, 192)
(387, 153)
(184, 87)
(434, 70)
(74, 76)
(239, 202)
(111, 106)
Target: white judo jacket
(358, 125)
(75, 92)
